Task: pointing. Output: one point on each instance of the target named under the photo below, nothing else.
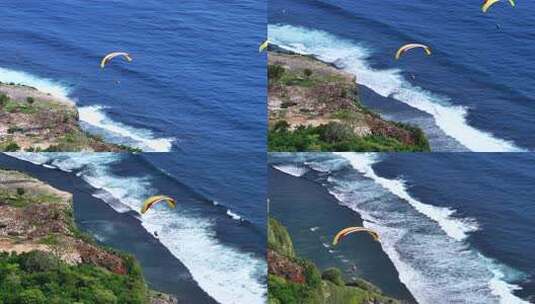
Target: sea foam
(225, 273)
(353, 58)
(94, 116)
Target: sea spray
(136, 137)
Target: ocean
(475, 93)
(210, 248)
(454, 226)
(196, 81)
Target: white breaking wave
(430, 253)
(139, 138)
(226, 274)
(42, 84)
(456, 228)
(292, 170)
(93, 116)
(353, 58)
(234, 216)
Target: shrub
(3, 99)
(275, 72)
(30, 100)
(12, 147)
(31, 296)
(334, 275)
(20, 191)
(336, 132)
(37, 261)
(12, 130)
(307, 72)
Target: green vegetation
(328, 287)
(3, 100)
(21, 198)
(13, 106)
(338, 137)
(315, 107)
(279, 239)
(48, 123)
(39, 278)
(9, 146)
(278, 75)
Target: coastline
(121, 231)
(38, 121)
(311, 98)
(312, 236)
(451, 128)
(449, 243)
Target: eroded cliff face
(37, 217)
(31, 120)
(296, 280)
(305, 92)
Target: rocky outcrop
(284, 267)
(31, 120)
(37, 217)
(161, 298)
(91, 254)
(305, 92)
(292, 279)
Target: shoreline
(92, 120)
(373, 263)
(450, 254)
(121, 231)
(394, 86)
(34, 120)
(311, 98)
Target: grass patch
(20, 199)
(277, 74)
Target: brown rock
(282, 266)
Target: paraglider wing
(153, 200)
(344, 232)
(263, 46)
(407, 47)
(110, 56)
(487, 4)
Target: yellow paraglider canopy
(153, 200)
(344, 232)
(410, 46)
(263, 46)
(488, 3)
(110, 56)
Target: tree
(31, 296)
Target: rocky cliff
(314, 106)
(296, 280)
(38, 234)
(31, 120)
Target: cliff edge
(314, 106)
(292, 279)
(44, 258)
(33, 121)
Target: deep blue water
(213, 242)
(197, 81)
(475, 92)
(456, 226)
